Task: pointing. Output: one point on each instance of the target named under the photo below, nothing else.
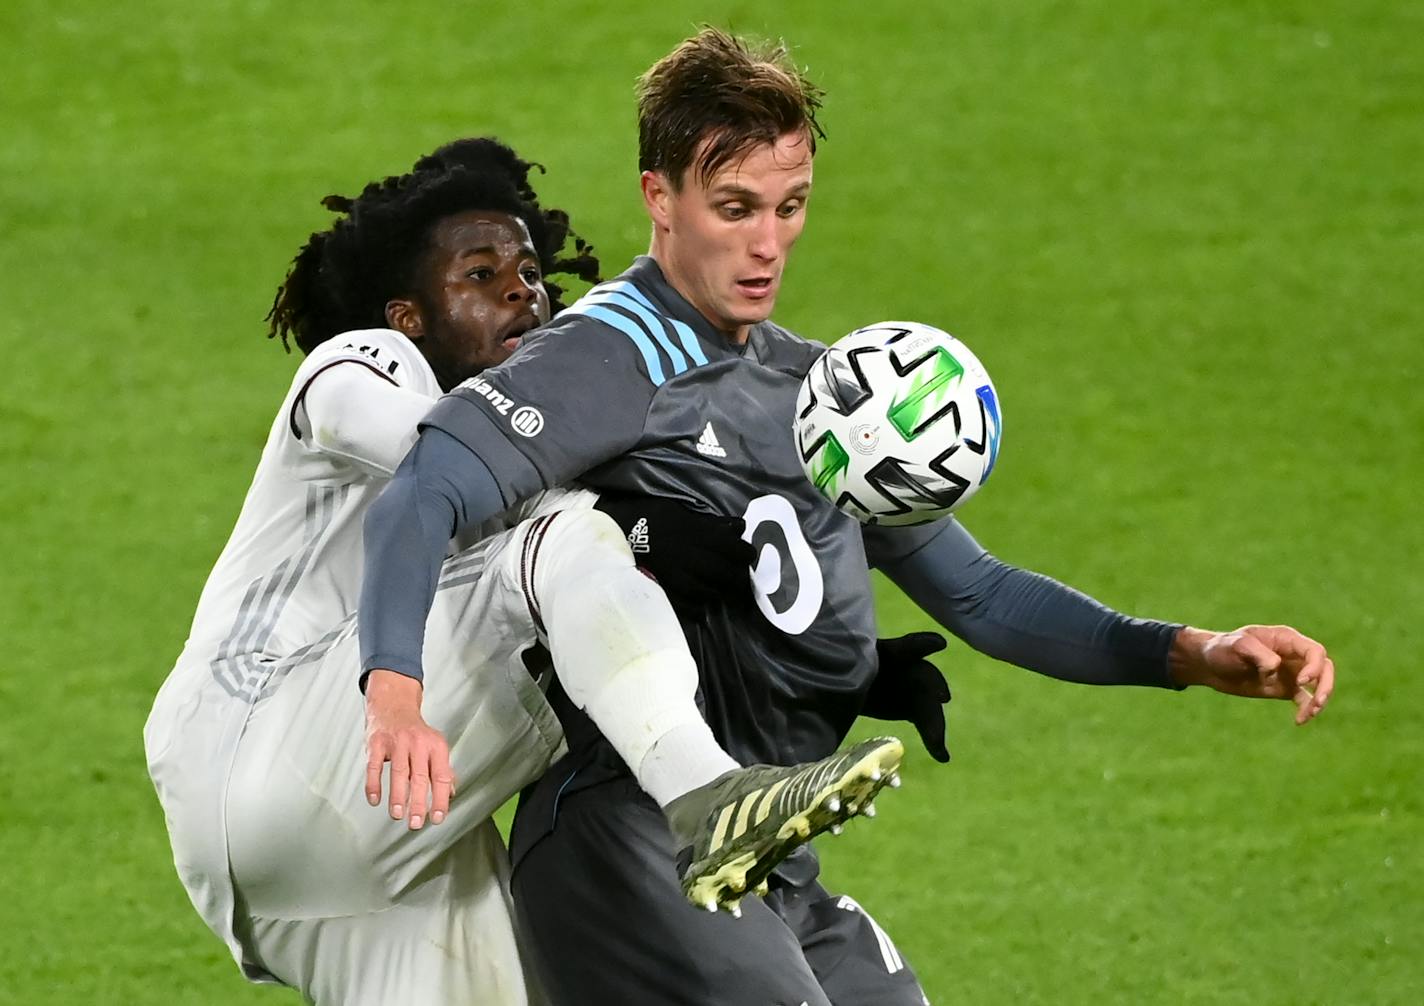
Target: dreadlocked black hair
(344, 276)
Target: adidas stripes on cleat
(742, 824)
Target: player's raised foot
(745, 822)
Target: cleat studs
(710, 904)
(762, 889)
(735, 909)
(869, 809)
(895, 781)
(836, 829)
(875, 775)
(834, 804)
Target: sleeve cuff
(381, 662)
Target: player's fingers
(1255, 652)
(1304, 702)
(922, 644)
(442, 784)
(377, 753)
(400, 778)
(419, 787)
(930, 724)
(1326, 685)
(1321, 694)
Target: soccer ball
(898, 423)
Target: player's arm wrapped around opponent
(572, 396)
(1036, 622)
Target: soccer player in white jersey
(255, 742)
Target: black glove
(909, 687)
(697, 558)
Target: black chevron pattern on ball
(905, 491)
(842, 379)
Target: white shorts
(339, 900)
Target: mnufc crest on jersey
(526, 420)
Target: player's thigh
(853, 957)
(448, 939)
(480, 694)
(599, 905)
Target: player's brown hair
(716, 97)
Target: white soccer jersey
(289, 573)
(292, 568)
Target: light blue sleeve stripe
(629, 290)
(654, 325)
(685, 335)
(689, 341)
(628, 327)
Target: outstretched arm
(1038, 623)
(1028, 619)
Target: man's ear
(404, 317)
(657, 194)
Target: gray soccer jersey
(632, 389)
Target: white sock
(685, 757)
(620, 654)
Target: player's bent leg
(447, 940)
(619, 651)
(854, 959)
(621, 656)
(598, 901)
(303, 844)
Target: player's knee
(582, 543)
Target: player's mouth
(757, 287)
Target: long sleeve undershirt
(1012, 614)
(440, 488)
(1027, 618)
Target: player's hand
(908, 687)
(421, 777)
(697, 558)
(1258, 662)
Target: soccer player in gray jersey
(671, 380)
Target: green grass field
(1186, 239)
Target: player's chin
(752, 311)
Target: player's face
(723, 243)
(482, 291)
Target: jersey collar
(648, 275)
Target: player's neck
(736, 336)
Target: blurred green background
(1185, 238)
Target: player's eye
(789, 209)
(482, 273)
(734, 211)
(531, 275)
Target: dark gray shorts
(598, 904)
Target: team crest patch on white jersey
(708, 445)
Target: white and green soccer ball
(898, 423)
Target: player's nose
(521, 290)
(765, 239)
